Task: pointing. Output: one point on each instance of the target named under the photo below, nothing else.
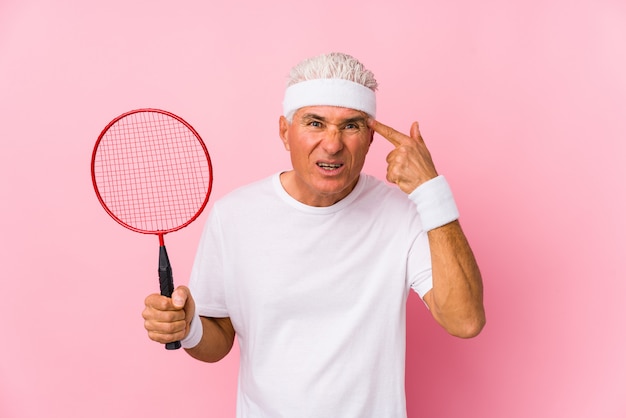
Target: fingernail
(178, 301)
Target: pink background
(522, 103)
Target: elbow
(205, 357)
(462, 325)
(465, 320)
(469, 328)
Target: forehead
(330, 113)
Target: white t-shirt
(317, 297)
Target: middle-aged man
(311, 268)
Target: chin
(334, 187)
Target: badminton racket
(152, 174)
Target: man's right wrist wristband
(195, 333)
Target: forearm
(217, 340)
(456, 299)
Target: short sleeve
(207, 275)
(419, 265)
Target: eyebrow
(309, 116)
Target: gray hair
(333, 65)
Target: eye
(312, 123)
(354, 126)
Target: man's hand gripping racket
(152, 173)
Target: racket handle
(172, 346)
(166, 281)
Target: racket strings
(152, 171)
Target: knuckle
(145, 314)
(170, 327)
(155, 336)
(156, 302)
(151, 299)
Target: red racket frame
(160, 233)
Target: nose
(332, 143)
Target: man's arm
(217, 340)
(456, 299)
(168, 320)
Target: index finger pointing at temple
(387, 132)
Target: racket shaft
(166, 281)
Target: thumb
(180, 296)
(415, 131)
(182, 299)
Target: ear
(283, 131)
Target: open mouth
(328, 166)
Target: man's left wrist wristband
(435, 203)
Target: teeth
(327, 166)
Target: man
(311, 268)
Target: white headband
(329, 92)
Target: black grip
(166, 281)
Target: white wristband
(435, 203)
(195, 333)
